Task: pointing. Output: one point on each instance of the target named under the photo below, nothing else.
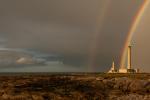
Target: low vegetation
(75, 86)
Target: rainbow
(132, 30)
(93, 46)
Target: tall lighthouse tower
(129, 68)
(129, 61)
(129, 57)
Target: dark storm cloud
(66, 27)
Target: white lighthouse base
(123, 70)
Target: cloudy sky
(66, 35)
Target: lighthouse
(129, 57)
(113, 70)
(129, 61)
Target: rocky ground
(75, 86)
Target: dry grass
(74, 86)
